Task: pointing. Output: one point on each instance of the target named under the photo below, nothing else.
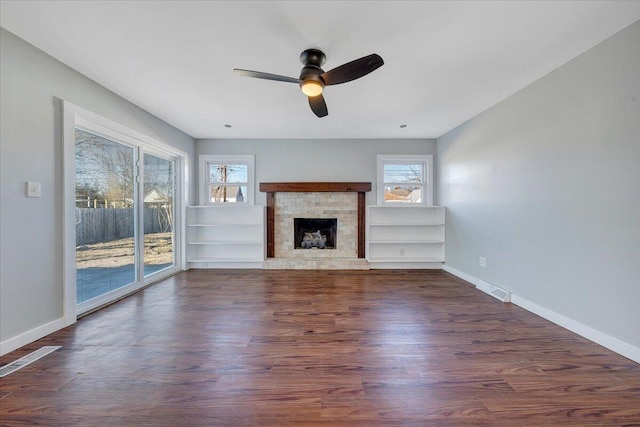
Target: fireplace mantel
(310, 187)
(314, 187)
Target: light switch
(33, 189)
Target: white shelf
(225, 260)
(225, 236)
(406, 224)
(225, 225)
(407, 242)
(406, 236)
(227, 242)
(406, 259)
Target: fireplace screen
(315, 233)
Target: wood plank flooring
(328, 348)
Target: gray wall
(31, 240)
(546, 185)
(346, 160)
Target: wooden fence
(104, 225)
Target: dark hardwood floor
(255, 347)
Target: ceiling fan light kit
(313, 78)
(311, 87)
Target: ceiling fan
(313, 79)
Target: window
(405, 180)
(226, 179)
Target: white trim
(404, 265)
(460, 274)
(34, 334)
(203, 185)
(123, 132)
(428, 172)
(622, 348)
(69, 289)
(258, 265)
(607, 341)
(119, 293)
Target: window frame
(427, 177)
(239, 159)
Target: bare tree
(105, 166)
(159, 177)
(406, 179)
(219, 174)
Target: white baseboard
(395, 265)
(464, 276)
(613, 344)
(622, 348)
(28, 337)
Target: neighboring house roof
(154, 196)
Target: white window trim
(205, 159)
(426, 159)
(74, 116)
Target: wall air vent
(26, 360)
(494, 291)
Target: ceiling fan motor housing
(312, 60)
(313, 57)
(311, 72)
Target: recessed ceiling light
(403, 126)
(227, 125)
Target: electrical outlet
(482, 262)
(401, 251)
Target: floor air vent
(494, 291)
(28, 359)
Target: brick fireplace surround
(342, 200)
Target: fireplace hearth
(315, 233)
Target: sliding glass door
(105, 215)
(159, 196)
(124, 217)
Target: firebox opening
(315, 233)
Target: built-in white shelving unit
(405, 236)
(225, 236)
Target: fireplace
(340, 202)
(315, 233)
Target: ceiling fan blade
(352, 70)
(318, 106)
(266, 76)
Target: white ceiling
(445, 61)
